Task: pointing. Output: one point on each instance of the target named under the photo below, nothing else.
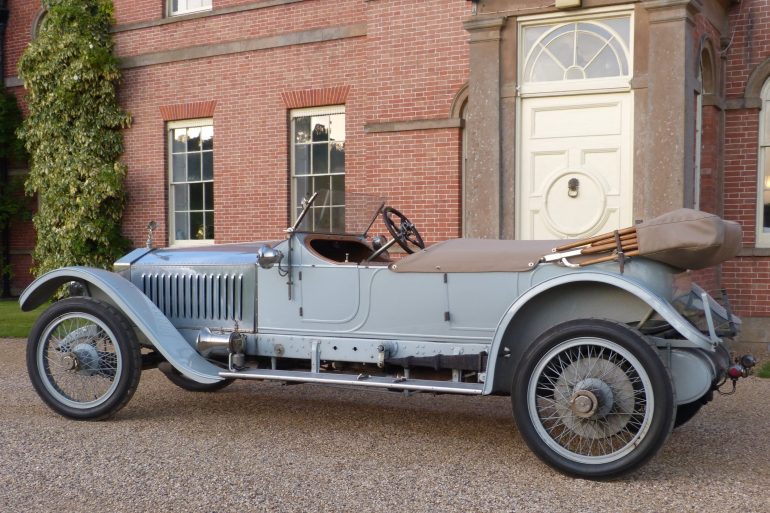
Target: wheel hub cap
(69, 362)
(583, 403)
(86, 358)
(591, 396)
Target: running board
(362, 380)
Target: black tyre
(83, 359)
(592, 399)
(186, 383)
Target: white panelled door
(575, 136)
(575, 165)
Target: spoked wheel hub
(69, 362)
(591, 397)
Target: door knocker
(572, 187)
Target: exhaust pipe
(208, 343)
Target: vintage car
(603, 344)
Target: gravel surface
(268, 447)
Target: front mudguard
(137, 308)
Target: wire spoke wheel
(592, 398)
(83, 358)
(79, 360)
(590, 401)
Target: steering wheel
(405, 232)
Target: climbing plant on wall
(73, 136)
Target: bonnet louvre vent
(211, 296)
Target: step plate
(421, 385)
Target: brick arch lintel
(315, 97)
(458, 102)
(753, 92)
(192, 110)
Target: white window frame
(698, 137)
(299, 113)
(181, 11)
(763, 182)
(170, 126)
(592, 85)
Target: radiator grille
(210, 296)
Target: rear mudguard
(693, 337)
(136, 307)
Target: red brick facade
(747, 277)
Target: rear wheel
(591, 398)
(83, 359)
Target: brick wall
(747, 278)
(18, 31)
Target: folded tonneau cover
(689, 239)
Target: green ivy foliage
(73, 136)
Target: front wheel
(83, 359)
(592, 399)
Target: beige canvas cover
(476, 255)
(689, 239)
(684, 238)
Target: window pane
(320, 128)
(532, 34)
(194, 139)
(337, 158)
(588, 47)
(209, 218)
(622, 27)
(208, 165)
(766, 192)
(337, 127)
(764, 138)
(301, 190)
(193, 167)
(196, 196)
(604, 65)
(562, 49)
(338, 219)
(322, 219)
(302, 130)
(546, 70)
(180, 169)
(302, 160)
(181, 231)
(197, 230)
(180, 197)
(321, 183)
(338, 189)
(320, 159)
(208, 196)
(179, 142)
(207, 137)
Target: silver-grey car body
(315, 308)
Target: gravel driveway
(267, 447)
